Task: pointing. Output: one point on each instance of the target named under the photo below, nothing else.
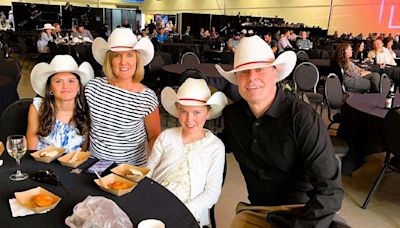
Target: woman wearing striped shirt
(124, 113)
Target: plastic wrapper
(98, 212)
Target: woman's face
(349, 52)
(124, 64)
(389, 44)
(362, 46)
(192, 119)
(65, 86)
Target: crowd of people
(117, 118)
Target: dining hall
(213, 113)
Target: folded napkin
(18, 210)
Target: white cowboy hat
(47, 26)
(253, 52)
(193, 92)
(123, 39)
(60, 63)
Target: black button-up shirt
(286, 157)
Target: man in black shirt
(281, 144)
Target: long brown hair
(48, 112)
(340, 56)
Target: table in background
(362, 128)
(323, 65)
(147, 200)
(178, 49)
(213, 77)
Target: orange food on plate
(118, 185)
(43, 200)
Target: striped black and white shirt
(118, 130)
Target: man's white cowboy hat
(47, 26)
(253, 52)
(193, 92)
(60, 63)
(123, 39)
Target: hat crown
(252, 50)
(63, 63)
(194, 90)
(122, 37)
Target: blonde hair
(107, 67)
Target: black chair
(392, 145)
(189, 58)
(14, 119)
(153, 78)
(11, 69)
(302, 56)
(334, 98)
(384, 84)
(306, 77)
(27, 52)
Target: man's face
(267, 38)
(81, 29)
(378, 44)
(304, 35)
(257, 85)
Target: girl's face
(192, 119)
(65, 86)
(349, 52)
(124, 64)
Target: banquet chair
(392, 144)
(12, 69)
(14, 120)
(384, 84)
(302, 56)
(334, 98)
(306, 77)
(153, 80)
(190, 58)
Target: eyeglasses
(46, 176)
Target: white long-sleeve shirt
(205, 159)
(383, 57)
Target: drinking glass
(16, 147)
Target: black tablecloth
(213, 77)
(323, 65)
(362, 128)
(147, 200)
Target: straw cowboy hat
(253, 52)
(60, 63)
(47, 26)
(193, 92)
(123, 39)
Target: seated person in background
(187, 32)
(126, 24)
(202, 34)
(161, 36)
(233, 42)
(44, 39)
(388, 43)
(84, 32)
(381, 54)
(189, 160)
(56, 32)
(213, 33)
(360, 52)
(303, 43)
(281, 144)
(283, 43)
(60, 118)
(170, 26)
(271, 42)
(74, 31)
(353, 76)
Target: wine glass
(16, 147)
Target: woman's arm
(153, 127)
(33, 127)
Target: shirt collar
(276, 107)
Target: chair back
(392, 132)
(302, 56)
(333, 92)
(12, 68)
(325, 55)
(306, 77)
(384, 84)
(190, 58)
(192, 73)
(14, 120)
(397, 52)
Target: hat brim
(284, 65)
(217, 102)
(42, 71)
(143, 46)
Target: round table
(213, 77)
(147, 200)
(362, 126)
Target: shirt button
(255, 140)
(257, 124)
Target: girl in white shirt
(189, 160)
